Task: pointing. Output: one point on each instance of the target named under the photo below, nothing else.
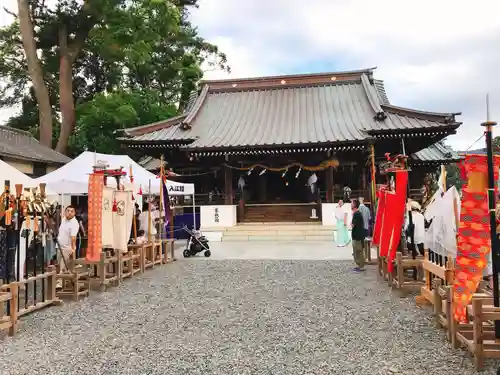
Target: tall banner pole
(495, 255)
(374, 184)
(150, 239)
(134, 220)
(162, 176)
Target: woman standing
(341, 224)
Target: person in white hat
(417, 228)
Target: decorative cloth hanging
(95, 207)
(394, 217)
(381, 195)
(473, 240)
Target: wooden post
(373, 179)
(437, 302)
(149, 213)
(13, 307)
(228, 185)
(134, 220)
(162, 176)
(363, 182)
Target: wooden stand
(76, 282)
(479, 336)
(8, 321)
(167, 246)
(49, 297)
(126, 265)
(442, 307)
(149, 255)
(382, 265)
(106, 271)
(158, 256)
(368, 252)
(399, 278)
(432, 271)
(137, 254)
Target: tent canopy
(72, 178)
(8, 172)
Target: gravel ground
(237, 317)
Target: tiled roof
(437, 153)
(288, 110)
(22, 145)
(149, 163)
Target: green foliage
(101, 117)
(453, 177)
(128, 49)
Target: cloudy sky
(433, 55)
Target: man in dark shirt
(358, 236)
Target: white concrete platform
(272, 232)
(273, 250)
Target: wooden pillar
(228, 185)
(373, 180)
(363, 183)
(329, 185)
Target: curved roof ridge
(141, 129)
(186, 124)
(373, 98)
(285, 76)
(420, 112)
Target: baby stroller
(196, 243)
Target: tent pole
(194, 214)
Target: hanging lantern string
(332, 163)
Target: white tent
(8, 172)
(72, 178)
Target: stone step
(278, 233)
(279, 228)
(264, 238)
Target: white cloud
(433, 55)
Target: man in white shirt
(66, 238)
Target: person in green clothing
(358, 234)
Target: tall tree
(36, 72)
(99, 46)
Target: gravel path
(236, 317)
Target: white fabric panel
(441, 235)
(22, 246)
(107, 218)
(122, 219)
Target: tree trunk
(67, 104)
(36, 72)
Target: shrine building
(258, 143)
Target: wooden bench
(137, 254)
(125, 265)
(167, 250)
(107, 271)
(75, 282)
(158, 256)
(149, 255)
(399, 278)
